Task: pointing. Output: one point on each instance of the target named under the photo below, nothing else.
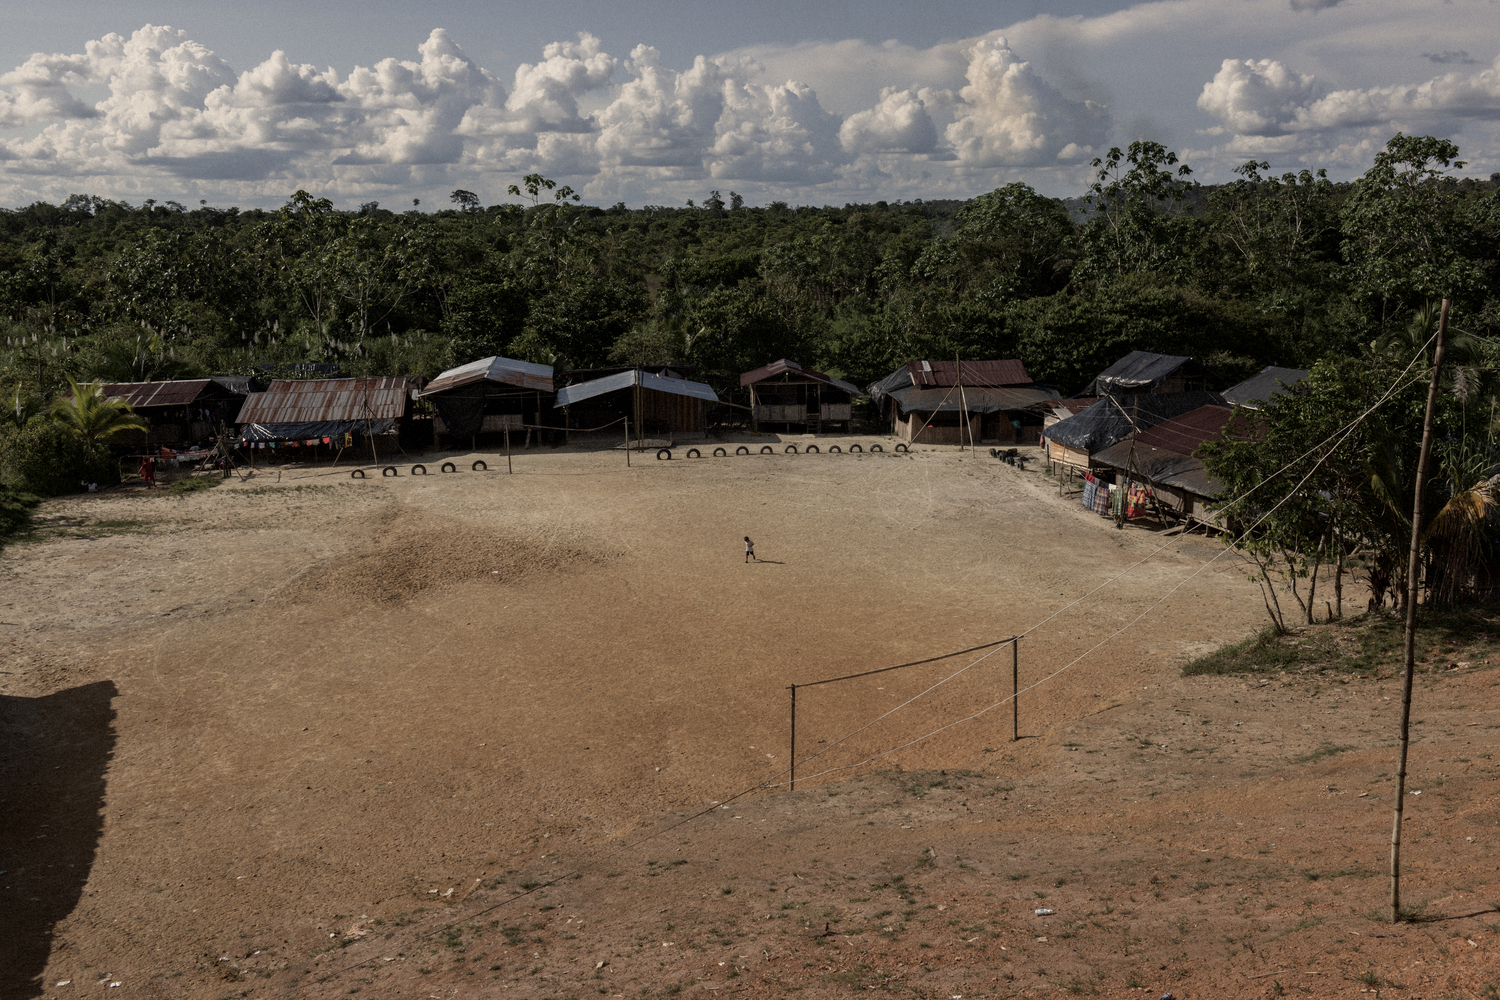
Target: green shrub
(15, 511)
(45, 459)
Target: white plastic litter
(1044, 912)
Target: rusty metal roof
(176, 393)
(507, 371)
(976, 399)
(784, 366)
(942, 374)
(295, 401)
(1184, 434)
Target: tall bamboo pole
(1413, 574)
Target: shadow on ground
(54, 752)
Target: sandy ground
(310, 736)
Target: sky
(657, 103)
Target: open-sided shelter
(784, 392)
(489, 396)
(659, 406)
(951, 402)
(1071, 443)
(180, 412)
(323, 411)
(1162, 456)
(1258, 390)
(1143, 371)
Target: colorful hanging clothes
(1138, 499)
(1101, 499)
(1089, 488)
(1117, 502)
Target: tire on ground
(856, 447)
(766, 449)
(419, 470)
(834, 449)
(480, 466)
(812, 449)
(449, 467)
(790, 449)
(742, 450)
(664, 453)
(694, 453)
(389, 470)
(720, 453)
(876, 447)
(357, 474)
(902, 447)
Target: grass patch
(192, 484)
(1326, 750)
(1367, 644)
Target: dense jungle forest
(1267, 269)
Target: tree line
(1294, 270)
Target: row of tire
(419, 470)
(665, 454)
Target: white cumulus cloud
(1010, 116)
(1255, 97)
(899, 123)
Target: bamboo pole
(627, 442)
(1413, 574)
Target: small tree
(93, 418)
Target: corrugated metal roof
(624, 380)
(1185, 433)
(1158, 466)
(175, 393)
(295, 401)
(507, 371)
(942, 374)
(783, 366)
(1260, 389)
(1141, 371)
(975, 399)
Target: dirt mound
(409, 553)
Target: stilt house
(784, 393)
(489, 396)
(660, 406)
(180, 412)
(950, 402)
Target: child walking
(749, 550)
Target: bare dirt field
(485, 735)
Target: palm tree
(94, 418)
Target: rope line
(913, 663)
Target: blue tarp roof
(1142, 371)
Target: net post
(793, 783)
(508, 469)
(1015, 689)
(627, 442)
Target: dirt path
(291, 738)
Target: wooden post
(1413, 579)
(508, 468)
(1015, 689)
(627, 442)
(793, 787)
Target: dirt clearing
(481, 734)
